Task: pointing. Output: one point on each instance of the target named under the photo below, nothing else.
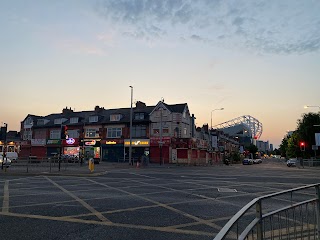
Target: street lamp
(130, 146)
(308, 106)
(212, 112)
(4, 151)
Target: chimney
(67, 110)
(98, 109)
(140, 105)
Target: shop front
(139, 147)
(38, 148)
(71, 147)
(53, 147)
(91, 148)
(112, 150)
(156, 151)
(25, 149)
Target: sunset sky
(258, 58)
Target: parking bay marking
(83, 203)
(5, 204)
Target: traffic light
(302, 146)
(64, 132)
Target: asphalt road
(156, 203)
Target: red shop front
(155, 149)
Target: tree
(306, 131)
(293, 148)
(252, 149)
(284, 146)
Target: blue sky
(258, 58)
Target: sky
(258, 58)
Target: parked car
(247, 161)
(291, 162)
(6, 163)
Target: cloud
(266, 26)
(79, 47)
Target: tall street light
(131, 113)
(4, 151)
(212, 112)
(308, 106)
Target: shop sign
(53, 142)
(23, 143)
(112, 141)
(38, 142)
(154, 141)
(137, 142)
(90, 143)
(70, 141)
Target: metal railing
(289, 214)
(33, 165)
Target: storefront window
(71, 151)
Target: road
(158, 203)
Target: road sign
(317, 136)
(314, 147)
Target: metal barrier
(296, 218)
(44, 165)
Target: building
(165, 132)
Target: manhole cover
(226, 190)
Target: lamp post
(211, 114)
(130, 146)
(160, 142)
(4, 154)
(309, 106)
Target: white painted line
(5, 204)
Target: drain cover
(226, 190)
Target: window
(92, 133)
(184, 114)
(185, 131)
(74, 120)
(139, 116)
(165, 130)
(139, 131)
(93, 119)
(156, 131)
(27, 135)
(73, 133)
(40, 122)
(115, 117)
(28, 121)
(55, 134)
(58, 121)
(114, 132)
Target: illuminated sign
(137, 142)
(111, 142)
(70, 141)
(91, 143)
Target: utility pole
(131, 113)
(160, 142)
(4, 154)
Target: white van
(12, 155)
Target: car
(247, 161)
(291, 162)
(6, 163)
